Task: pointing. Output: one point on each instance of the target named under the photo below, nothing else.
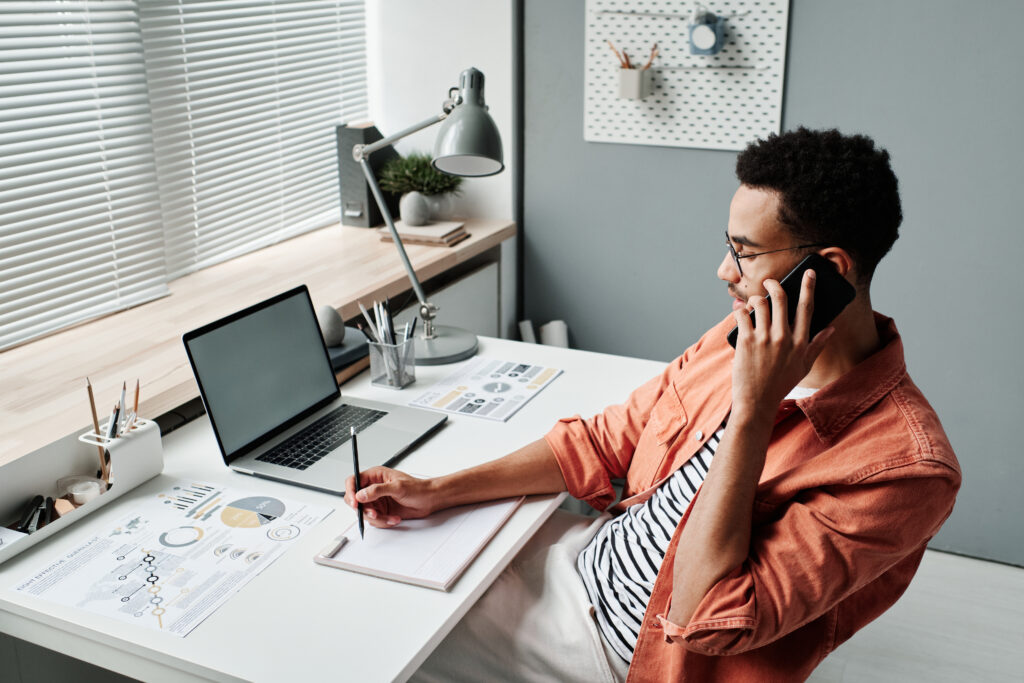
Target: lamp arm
(360, 152)
(427, 309)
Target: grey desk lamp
(468, 145)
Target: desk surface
(298, 620)
(44, 381)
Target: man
(822, 471)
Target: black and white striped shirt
(621, 562)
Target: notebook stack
(438, 233)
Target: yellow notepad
(431, 552)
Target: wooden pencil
(650, 60)
(96, 428)
(622, 62)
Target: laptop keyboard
(320, 438)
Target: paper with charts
(176, 558)
(487, 387)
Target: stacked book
(351, 357)
(438, 233)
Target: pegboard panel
(720, 101)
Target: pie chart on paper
(252, 512)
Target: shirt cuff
(671, 629)
(585, 478)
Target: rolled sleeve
(592, 452)
(582, 465)
(822, 549)
(724, 619)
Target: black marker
(30, 516)
(48, 513)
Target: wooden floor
(961, 620)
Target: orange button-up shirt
(858, 477)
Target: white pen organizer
(67, 469)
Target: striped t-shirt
(620, 564)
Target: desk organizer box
(135, 457)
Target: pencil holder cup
(634, 84)
(393, 365)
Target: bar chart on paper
(488, 388)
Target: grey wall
(622, 241)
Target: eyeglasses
(736, 257)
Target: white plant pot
(442, 206)
(414, 209)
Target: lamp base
(451, 345)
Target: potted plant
(425, 190)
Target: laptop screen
(260, 368)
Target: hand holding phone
(832, 293)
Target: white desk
(298, 621)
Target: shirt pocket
(668, 417)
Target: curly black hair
(833, 188)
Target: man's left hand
(771, 358)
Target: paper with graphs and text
(176, 557)
(489, 388)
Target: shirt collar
(833, 407)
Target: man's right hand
(389, 496)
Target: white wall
(416, 51)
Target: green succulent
(415, 173)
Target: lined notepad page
(429, 552)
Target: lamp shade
(468, 143)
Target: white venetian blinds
(245, 98)
(143, 139)
(80, 231)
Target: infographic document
(489, 388)
(177, 557)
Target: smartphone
(832, 293)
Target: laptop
(265, 378)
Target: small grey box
(357, 204)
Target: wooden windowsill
(43, 382)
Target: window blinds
(80, 231)
(245, 97)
